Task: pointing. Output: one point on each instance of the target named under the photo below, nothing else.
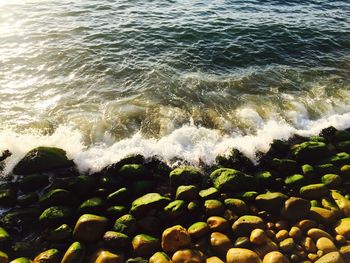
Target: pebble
(326, 245)
(275, 257)
(242, 255)
(258, 237)
(282, 235)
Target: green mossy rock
(246, 224)
(315, 203)
(295, 180)
(264, 177)
(27, 199)
(4, 258)
(343, 146)
(342, 136)
(119, 196)
(145, 245)
(285, 166)
(93, 205)
(209, 193)
(116, 211)
(21, 260)
(152, 201)
(331, 180)
(230, 180)
(345, 172)
(317, 139)
(159, 257)
(198, 230)
(272, 202)
(326, 168)
(238, 206)
(175, 209)
(114, 239)
(24, 216)
(57, 197)
(185, 176)
(213, 207)
(125, 224)
(4, 237)
(83, 184)
(308, 170)
(56, 215)
(111, 183)
(42, 159)
(7, 197)
(142, 187)
(310, 152)
(193, 207)
(248, 196)
(133, 171)
(322, 215)
(33, 182)
(59, 234)
(74, 254)
(187, 192)
(313, 191)
(339, 159)
(90, 228)
(48, 256)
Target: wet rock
(275, 257)
(242, 242)
(326, 245)
(116, 211)
(345, 252)
(48, 256)
(60, 234)
(331, 180)
(187, 192)
(213, 207)
(159, 257)
(245, 224)
(282, 235)
(119, 196)
(90, 228)
(27, 199)
(309, 245)
(306, 224)
(217, 223)
(313, 191)
(198, 230)
(8, 197)
(326, 168)
(105, 256)
(295, 208)
(321, 215)
(287, 245)
(271, 201)
(185, 176)
(175, 209)
(285, 166)
(56, 215)
(214, 260)
(248, 196)
(220, 243)
(209, 193)
(57, 197)
(125, 224)
(25, 216)
(333, 257)
(145, 245)
(258, 237)
(310, 152)
(133, 171)
(295, 233)
(74, 254)
(295, 180)
(91, 206)
(114, 239)
(242, 255)
(225, 179)
(316, 233)
(33, 182)
(42, 159)
(238, 206)
(175, 238)
(188, 255)
(143, 205)
(4, 237)
(342, 227)
(20, 260)
(342, 203)
(339, 159)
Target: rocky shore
(292, 207)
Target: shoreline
(140, 209)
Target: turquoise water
(187, 79)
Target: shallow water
(186, 79)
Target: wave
(192, 143)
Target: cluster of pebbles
(292, 207)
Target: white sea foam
(191, 143)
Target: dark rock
(187, 192)
(8, 197)
(145, 204)
(56, 215)
(33, 182)
(310, 152)
(116, 211)
(74, 254)
(296, 208)
(235, 160)
(114, 239)
(125, 224)
(60, 234)
(119, 196)
(185, 176)
(90, 228)
(93, 205)
(42, 159)
(57, 197)
(48, 256)
(271, 202)
(27, 199)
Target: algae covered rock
(48, 256)
(322, 215)
(313, 191)
(57, 197)
(175, 208)
(225, 179)
(89, 228)
(119, 196)
(187, 175)
(187, 192)
(220, 243)
(60, 233)
(115, 239)
(285, 166)
(310, 152)
(55, 215)
(331, 180)
(238, 206)
(242, 255)
(74, 254)
(92, 206)
(4, 237)
(42, 159)
(105, 256)
(246, 224)
(4, 258)
(175, 238)
(145, 245)
(148, 202)
(188, 255)
(130, 171)
(209, 193)
(271, 201)
(159, 257)
(7, 197)
(125, 224)
(19, 260)
(198, 230)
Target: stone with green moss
(244, 225)
(116, 211)
(193, 206)
(26, 216)
(187, 192)
(119, 196)
(198, 230)
(238, 206)
(27, 199)
(343, 146)
(48, 256)
(331, 180)
(57, 197)
(308, 170)
(55, 215)
(339, 159)
(133, 171)
(20, 260)
(74, 254)
(91, 206)
(310, 152)
(145, 204)
(175, 208)
(186, 175)
(4, 236)
(159, 257)
(33, 182)
(264, 177)
(141, 187)
(285, 166)
(315, 203)
(295, 180)
(114, 239)
(313, 191)
(213, 207)
(345, 172)
(4, 258)
(60, 233)
(125, 224)
(145, 245)
(209, 193)
(326, 168)
(271, 201)
(248, 196)
(42, 159)
(231, 180)
(7, 197)
(90, 228)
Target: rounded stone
(342, 227)
(90, 228)
(188, 255)
(275, 257)
(287, 245)
(145, 245)
(258, 237)
(295, 208)
(159, 257)
(295, 232)
(220, 243)
(333, 257)
(217, 223)
(326, 245)
(242, 255)
(316, 233)
(198, 230)
(282, 235)
(175, 238)
(246, 224)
